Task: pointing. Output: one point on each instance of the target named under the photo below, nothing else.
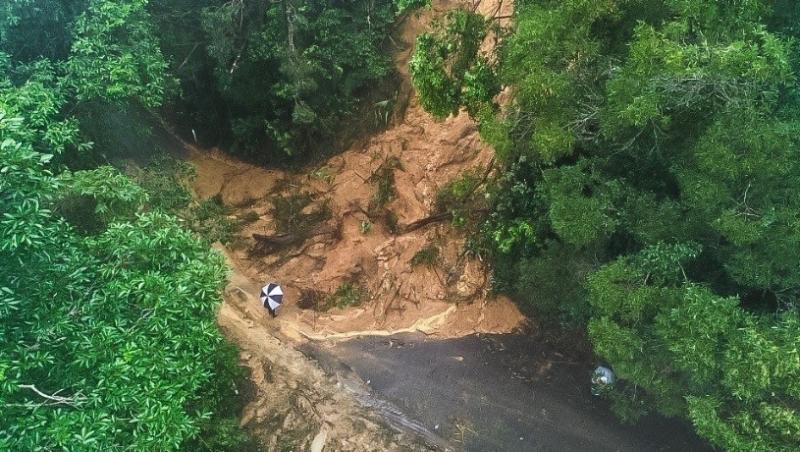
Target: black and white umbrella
(271, 297)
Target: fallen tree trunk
(436, 218)
(277, 240)
(421, 223)
(266, 244)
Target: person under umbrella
(271, 298)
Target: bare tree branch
(56, 399)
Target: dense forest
(649, 193)
(107, 299)
(645, 192)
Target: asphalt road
(497, 393)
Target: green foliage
(165, 181)
(682, 343)
(456, 192)
(508, 230)
(112, 337)
(390, 220)
(650, 173)
(82, 56)
(365, 227)
(212, 221)
(114, 195)
(115, 55)
(321, 59)
(447, 70)
(427, 256)
(324, 174)
(383, 179)
(550, 285)
(109, 315)
(581, 203)
(346, 295)
(461, 197)
(404, 6)
(32, 30)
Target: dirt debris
(365, 250)
(297, 406)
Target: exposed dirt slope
(297, 405)
(448, 298)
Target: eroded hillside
(359, 249)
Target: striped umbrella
(271, 297)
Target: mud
(449, 298)
(296, 405)
(306, 397)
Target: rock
(318, 444)
(471, 281)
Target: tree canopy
(107, 307)
(277, 81)
(650, 193)
(107, 298)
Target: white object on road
(602, 377)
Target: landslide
(347, 230)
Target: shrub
(390, 221)
(346, 295)
(211, 221)
(427, 256)
(461, 198)
(165, 181)
(383, 180)
(289, 217)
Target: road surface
(497, 393)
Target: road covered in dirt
(497, 393)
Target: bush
(346, 295)
(390, 221)
(211, 220)
(165, 181)
(289, 217)
(461, 197)
(383, 180)
(427, 256)
(550, 285)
